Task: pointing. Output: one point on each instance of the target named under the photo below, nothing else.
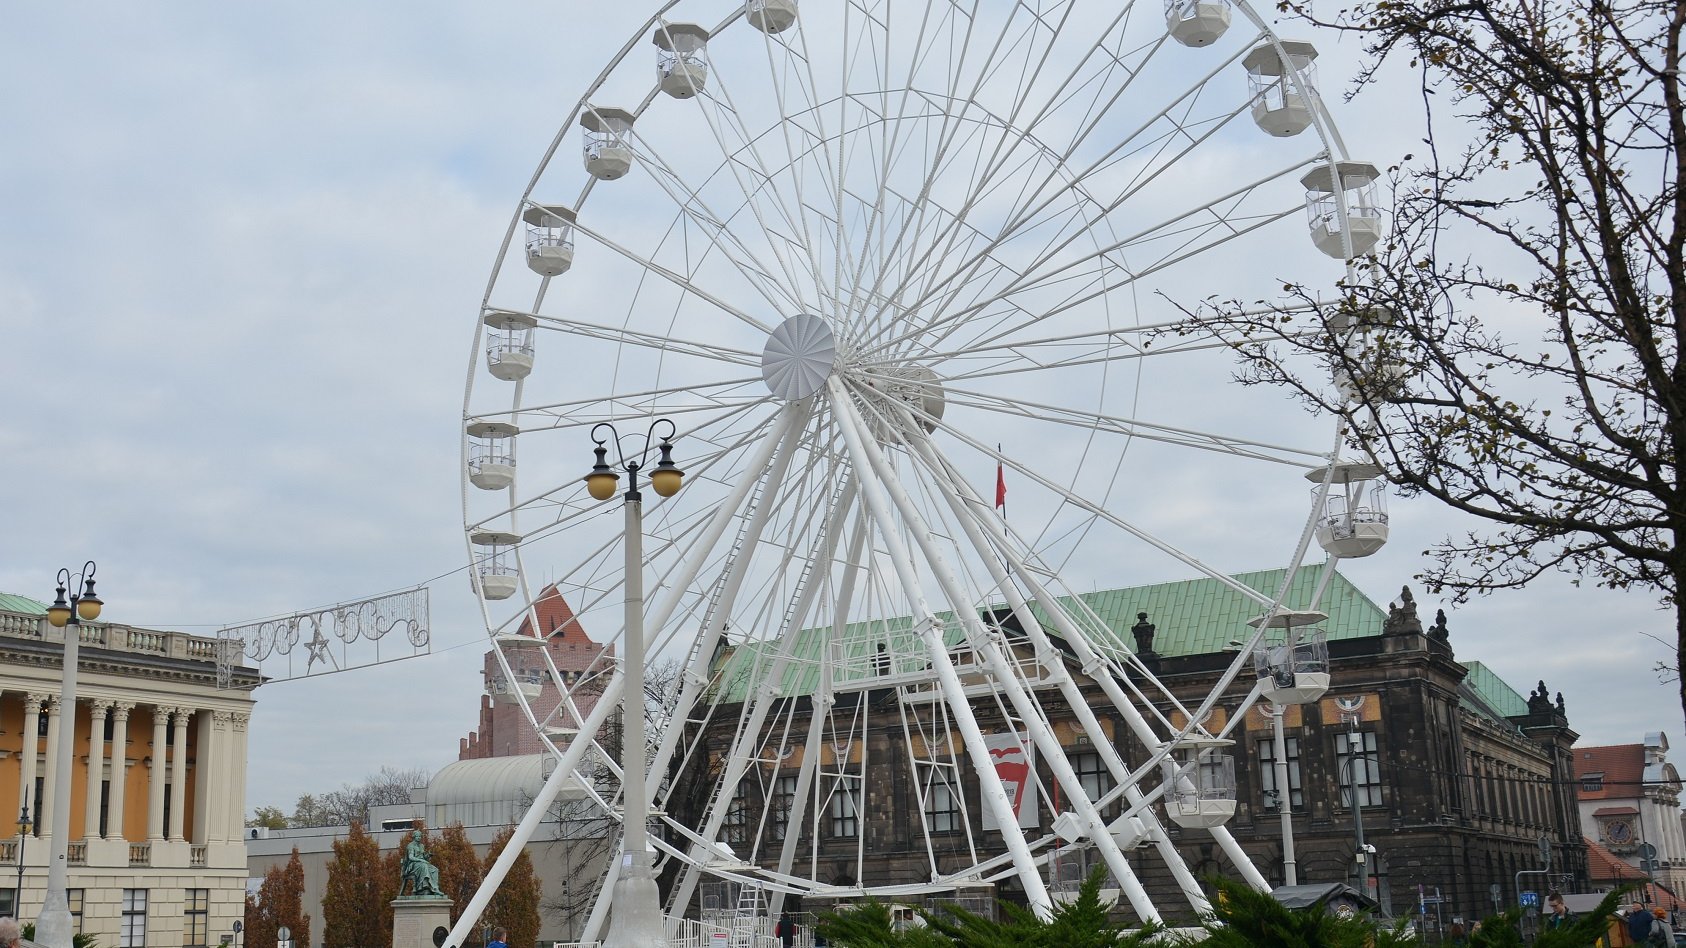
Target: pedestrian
(11, 934)
(1457, 936)
(1560, 916)
(1661, 933)
(786, 931)
(1639, 923)
(500, 938)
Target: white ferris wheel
(848, 249)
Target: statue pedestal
(415, 922)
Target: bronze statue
(417, 872)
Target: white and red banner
(1013, 760)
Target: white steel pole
(760, 704)
(1007, 678)
(1095, 666)
(1284, 797)
(52, 926)
(993, 793)
(819, 710)
(963, 501)
(565, 767)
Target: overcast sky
(241, 253)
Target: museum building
(1460, 781)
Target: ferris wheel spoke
(950, 127)
(999, 160)
(1114, 278)
(1028, 358)
(603, 406)
(1136, 428)
(671, 344)
(1124, 149)
(1081, 503)
(696, 210)
(676, 279)
(788, 216)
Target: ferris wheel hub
(800, 355)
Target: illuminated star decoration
(318, 648)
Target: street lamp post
(52, 926)
(1363, 853)
(636, 921)
(23, 836)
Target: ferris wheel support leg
(1007, 677)
(821, 707)
(790, 427)
(991, 789)
(536, 813)
(696, 677)
(969, 510)
(749, 732)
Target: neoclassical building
(157, 852)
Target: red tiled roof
(556, 618)
(1623, 767)
(1605, 866)
(1615, 811)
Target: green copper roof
(23, 604)
(1493, 690)
(1194, 616)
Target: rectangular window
(1592, 783)
(1267, 772)
(7, 909)
(845, 821)
(942, 802)
(105, 807)
(1360, 770)
(167, 809)
(74, 898)
(782, 802)
(1095, 778)
(735, 830)
(197, 926)
(132, 934)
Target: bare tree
(349, 804)
(1513, 350)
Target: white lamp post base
(637, 920)
(52, 927)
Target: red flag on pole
(1000, 484)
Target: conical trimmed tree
(515, 906)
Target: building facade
(157, 855)
(1456, 777)
(1630, 804)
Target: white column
(49, 791)
(95, 769)
(207, 776)
(178, 776)
(31, 750)
(160, 760)
(234, 791)
(119, 767)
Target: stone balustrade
(118, 638)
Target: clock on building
(1619, 832)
